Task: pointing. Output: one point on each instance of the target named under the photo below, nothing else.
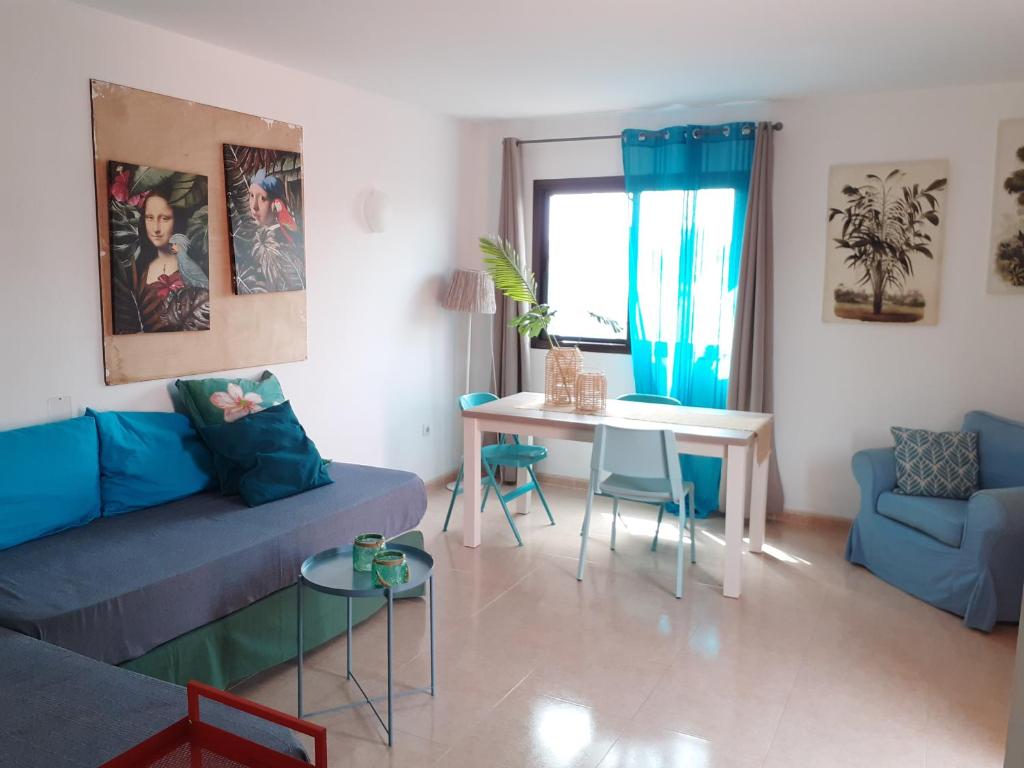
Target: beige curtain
(750, 380)
(512, 351)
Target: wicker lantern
(591, 391)
(560, 368)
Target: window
(581, 259)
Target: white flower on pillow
(235, 403)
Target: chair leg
(455, 492)
(680, 547)
(615, 517)
(540, 494)
(585, 534)
(504, 506)
(661, 513)
(693, 531)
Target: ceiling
(483, 58)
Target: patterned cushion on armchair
(942, 464)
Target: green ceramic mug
(365, 546)
(390, 568)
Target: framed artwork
(159, 159)
(159, 249)
(264, 196)
(1006, 272)
(885, 239)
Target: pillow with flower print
(224, 401)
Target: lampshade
(471, 290)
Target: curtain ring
(667, 134)
(697, 133)
(725, 131)
(641, 137)
(746, 130)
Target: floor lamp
(471, 291)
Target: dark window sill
(585, 345)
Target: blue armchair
(966, 557)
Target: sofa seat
(942, 519)
(62, 710)
(120, 586)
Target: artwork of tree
(888, 222)
(1010, 250)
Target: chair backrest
(642, 453)
(473, 399)
(1000, 449)
(636, 397)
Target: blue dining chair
(643, 467)
(502, 454)
(637, 397)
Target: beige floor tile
(819, 664)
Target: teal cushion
(265, 456)
(941, 464)
(148, 459)
(220, 401)
(1000, 449)
(942, 519)
(49, 479)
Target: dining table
(742, 439)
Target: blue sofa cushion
(49, 479)
(943, 464)
(942, 519)
(265, 456)
(148, 459)
(1000, 449)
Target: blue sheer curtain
(689, 190)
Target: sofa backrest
(49, 479)
(1000, 449)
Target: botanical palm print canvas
(884, 251)
(1006, 274)
(264, 190)
(159, 249)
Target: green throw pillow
(223, 401)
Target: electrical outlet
(426, 430)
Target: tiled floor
(819, 664)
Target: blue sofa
(966, 557)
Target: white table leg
(471, 491)
(738, 457)
(758, 501)
(523, 502)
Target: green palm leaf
(510, 277)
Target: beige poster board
(150, 129)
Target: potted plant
(562, 363)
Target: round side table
(331, 572)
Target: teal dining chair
(643, 467)
(502, 454)
(636, 397)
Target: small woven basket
(591, 392)
(560, 368)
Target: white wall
(380, 349)
(839, 387)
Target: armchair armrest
(992, 515)
(875, 472)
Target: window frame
(543, 189)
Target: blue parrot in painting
(191, 273)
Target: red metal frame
(199, 735)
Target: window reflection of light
(766, 549)
(563, 730)
(645, 526)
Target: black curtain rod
(775, 126)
